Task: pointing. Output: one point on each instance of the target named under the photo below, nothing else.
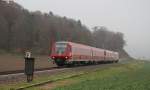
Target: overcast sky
(132, 17)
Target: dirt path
(56, 84)
(10, 62)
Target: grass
(129, 76)
(37, 80)
(135, 76)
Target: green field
(130, 75)
(135, 76)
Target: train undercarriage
(64, 62)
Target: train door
(105, 55)
(91, 54)
(68, 50)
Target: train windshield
(60, 48)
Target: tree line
(22, 30)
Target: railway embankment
(61, 77)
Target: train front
(61, 53)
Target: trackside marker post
(29, 66)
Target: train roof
(85, 46)
(75, 44)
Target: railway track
(36, 70)
(18, 75)
(15, 76)
(12, 77)
(22, 71)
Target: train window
(60, 48)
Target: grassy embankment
(129, 76)
(134, 76)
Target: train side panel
(111, 56)
(98, 54)
(81, 53)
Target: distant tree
(79, 23)
(99, 35)
(103, 38)
(10, 13)
(51, 13)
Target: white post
(28, 54)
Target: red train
(68, 53)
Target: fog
(132, 17)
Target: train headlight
(53, 57)
(66, 57)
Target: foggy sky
(132, 17)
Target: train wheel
(116, 61)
